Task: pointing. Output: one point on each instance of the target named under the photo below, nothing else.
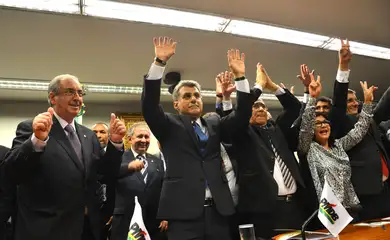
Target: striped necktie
(287, 177)
(144, 171)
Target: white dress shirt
(230, 175)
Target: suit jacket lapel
(58, 133)
(85, 147)
(210, 132)
(190, 129)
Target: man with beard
(55, 161)
(141, 175)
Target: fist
(117, 129)
(135, 166)
(42, 124)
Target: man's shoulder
(151, 156)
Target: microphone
(303, 230)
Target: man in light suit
(55, 162)
(195, 197)
(145, 184)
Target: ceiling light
(360, 49)
(262, 31)
(154, 15)
(62, 6)
(20, 84)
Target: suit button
(272, 171)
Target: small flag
(332, 213)
(137, 229)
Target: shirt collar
(63, 122)
(388, 134)
(136, 154)
(199, 122)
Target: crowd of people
(216, 170)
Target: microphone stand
(303, 230)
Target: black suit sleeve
(151, 109)
(110, 161)
(291, 110)
(21, 160)
(382, 109)
(338, 112)
(238, 120)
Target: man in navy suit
(195, 197)
(141, 174)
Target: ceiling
(120, 52)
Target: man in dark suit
(369, 159)
(269, 176)
(7, 198)
(55, 161)
(195, 197)
(107, 184)
(145, 184)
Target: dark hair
(324, 99)
(331, 139)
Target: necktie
(144, 171)
(74, 141)
(202, 137)
(286, 174)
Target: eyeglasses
(319, 124)
(72, 92)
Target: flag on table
(137, 229)
(332, 213)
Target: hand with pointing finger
(117, 129)
(42, 124)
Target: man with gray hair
(195, 197)
(55, 161)
(141, 174)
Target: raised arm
(27, 147)
(306, 132)
(152, 111)
(382, 109)
(238, 120)
(338, 113)
(360, 129)
(224, 88)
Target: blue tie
(202, 137)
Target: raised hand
(42, 124)
(226, 84)
(368, 92)
(135, 165)
(345, 56)
(117, 129)
(315, 87)
(164, 48)
(305, 75)
(264, 80)
(163, 226)
(291, 88)
(236, 62)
